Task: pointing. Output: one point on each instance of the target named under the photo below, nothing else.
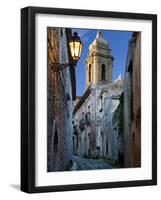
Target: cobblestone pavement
(89, 164)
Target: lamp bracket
(59, 66)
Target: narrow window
(89, 73)
(82, 114)
(56, 138)
(88, 108)
(89, 113)
(103, 73)
(55, 145)
(106, 147)
(101, 103)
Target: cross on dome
(99, 34)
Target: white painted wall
(10, 99)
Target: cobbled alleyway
(89, 164)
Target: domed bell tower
(99, 62)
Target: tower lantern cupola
(99, 62)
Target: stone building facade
(132, 103)
(112, 122)
(60, 94)
(94, 113)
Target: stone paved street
(89, 164)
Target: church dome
(99, 41)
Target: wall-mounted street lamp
(75, 45)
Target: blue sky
(118, 43)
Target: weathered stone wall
(132, 103)
(67, 83)
(84, 121)
(59, 103)
(136, 89)
(110, 121)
